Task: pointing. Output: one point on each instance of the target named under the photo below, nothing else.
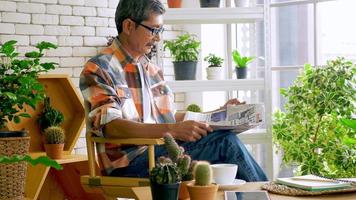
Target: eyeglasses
(154, 31)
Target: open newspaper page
(238, 118)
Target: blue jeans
(216, 147)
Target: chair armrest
(136, 141)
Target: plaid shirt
(112, 89)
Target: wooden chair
(113, 187)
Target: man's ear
(127, 26)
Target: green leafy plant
(49, 116)
(176, 154)
(213, 60)
(18, 80)
(44, 160)
(309, 130)
(54, 135)
(185, 48)
(241, 61)
(203, 173)
(193, 108)
(165, 172)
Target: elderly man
(127, 97)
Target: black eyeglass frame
(154, 31)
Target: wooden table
(145, 194)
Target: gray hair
(138, 10)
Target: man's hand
(233, 102)
(189, 130)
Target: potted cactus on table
(54, 142)
(203, 188)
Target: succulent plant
(165, 172)
(176, 153)
(49, 116)
(54, 135)
(193, 108)
(202, 173)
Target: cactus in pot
(202, 173)
(54, 141)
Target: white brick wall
(78, 27)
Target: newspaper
(238, 118)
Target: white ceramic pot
(242, 3)
(214, 73)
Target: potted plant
(54, 142)
(185, 51)
(164, 180)
(309, 130)
(202, 189)
(209, 3)
(242, 3)
(174, 3)
(241, 63)
(19, 89)
(193, 108)
(183, 162)
(214, 70)
(49, 116)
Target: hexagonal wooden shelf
(65, 98)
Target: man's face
(146, 34)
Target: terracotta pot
(183, 191)
(197, 192)
(54, 151)
(174, 3)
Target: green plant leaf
(40, 160)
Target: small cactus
(54, 135)
(173, 149)
(202, 173)
(193, 108)
(165, 173)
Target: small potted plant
(174, 3)
(49, 116)
(193, 108)
(185, 51)
(214, 70)
(54, 142)
(241, 63)
(164, 180)
(202, 188)
(209, 3)
(184, 164)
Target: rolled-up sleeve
(100, 97)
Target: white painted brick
(60, 51)
(83, 30)
(112, 22)
(76, 82)
(38, 39)
(21, 39)
(113, 3)
(60, 70)
(45, 19)
(81, 143)
(81, 151)
(72, 62)
(50, 59)
(84, 51)
(106, 12)
(70, 41)
(45, 1)
(96, 3)
(31, 7)
(103, 31)
(72, 2)
(7, 28)
(77, 71)
(7, 6)
(29, 29)
(0, 17)
(96, 21)
(95, 41)
(83, 131)
(59, 10)
(71, 20)
(84, 11)
(57, 30)
(22, 0)
(16, 17)
(24, 49)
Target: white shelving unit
(229, 16)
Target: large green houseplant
(309, 130)
(19, 89)
(184, 50)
